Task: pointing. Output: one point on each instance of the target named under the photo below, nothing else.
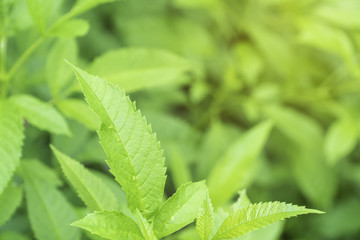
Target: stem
(3, 56)
(24, 57)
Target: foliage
(257, 95)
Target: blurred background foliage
(205, 73)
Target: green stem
(24, 57)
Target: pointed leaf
(180, 209)
(134, 155)
(41, 114)
(136, 69)
(256, 216)
(242, 201)
(11, 138)
(10, 200)
(49, 212)
(95, 194)
(110, 225)
(236, 168)
(205, 219)
(145, 227)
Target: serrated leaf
(95, 194)
(58, 73)
(256, 216)
(134, 155)
(180, 209)
(11, 138)
(49, 212)
(10, 200)
(80, 111)
(236, 168)
(110, 225)
(205, 219)
(136, 69)
(41, 114)
(70, 28)
(85, 5)
(145, 227)
(340, 140)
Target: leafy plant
(136, 161)
(257, 95)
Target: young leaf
(110, 225)
(136, 69)
(11, 137)
(134, 155)
(10, 199)
(235, 169)
(41, 114)
(58, 73)
(80, 111)
(70, 28)
(180, 209)
(95, 194)
(145, 227)
(205, 219)
(49, 212)
(256, 216)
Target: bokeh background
(242, 62)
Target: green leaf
(11, 138)
(49, 212)
(85, 5)
(70, 28)
(236, 168)
(42, 172)
(340, 140)
(304, 147)
(40, 12)
(145, 227)
(57, 71)
(205, 219)
(180, 209)
(95, 194)
(80, 111)
(110, 225)
(256, 216)
(10, 200)
(134, 155)
(136, 69)
(177, 164)
(40, 114)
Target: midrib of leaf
(110, 124)
(46, 209)
(291, 213)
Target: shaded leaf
(10, 200)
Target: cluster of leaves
(272, 89)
